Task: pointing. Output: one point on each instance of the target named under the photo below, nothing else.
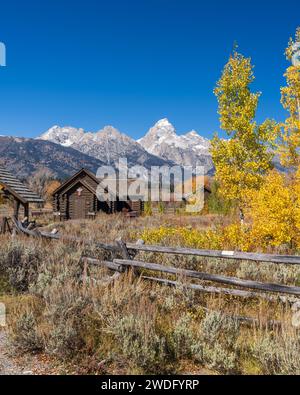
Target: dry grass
(132, 326)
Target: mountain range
(23, 157)
(189, 149)
(160, 146)
(64, 150)
(107, 145)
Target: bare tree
(40, 180)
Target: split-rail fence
(128, 251)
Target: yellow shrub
(272, 210)
(231, 237)
(273, 220)
(296, 200)
(236, 237)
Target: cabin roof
(17, 189)
(73, 179)
(82, 182)
(65, 186)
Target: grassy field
(132, 326)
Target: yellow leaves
(239, 168)
(290, 94)
(229, 237)
(273, 220)
(289, 50)
(272, 210)
(296, 199)
(237, 105)
(241, 161)
(289, 145)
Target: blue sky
(129, 63)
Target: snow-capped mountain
(189, 149)
(160, 146)
(65, 136)
(107, 144)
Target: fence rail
(128, 252)
(236, 255)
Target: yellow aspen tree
(290, 99)
(273, 212)
(296, 197)
(242, 160)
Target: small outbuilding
(12, 188)
(77, 198)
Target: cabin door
(79, 207)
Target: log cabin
(11, 188)
(77, 198)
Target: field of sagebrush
(133, 326)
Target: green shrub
(218, 340)
(278, 353)
(148, 208)
(182, 339)
(140, 343)
(26, 336)
(20, 262)
(216, 203)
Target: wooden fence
(237, 287)
(5, 225)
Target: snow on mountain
(107, 144)
(160, 146)
(66, 136)
(189, 149)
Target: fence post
(84, 275)
(2, 226)
(125, 253)
(123, 249)
(8, 225)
